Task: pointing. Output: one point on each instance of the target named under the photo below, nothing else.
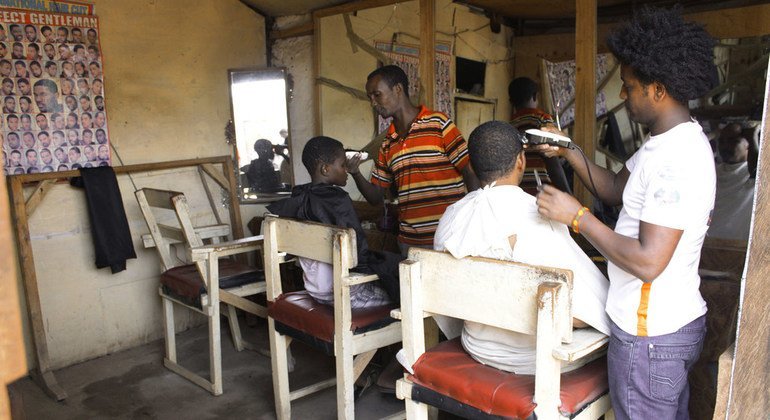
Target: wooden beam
(749, 397)
(352, 6)
(37, 196)
(317, 125)
(42, 372)
(293, 32)
(428, 51)
(217, 176)
(585, 87)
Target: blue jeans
(648, 375)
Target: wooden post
(428, 51)
(749, 398)
(42, 372)
(585, 87)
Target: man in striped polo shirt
(424, 155)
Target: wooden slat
(234, 207)
(428, 51)
(205, 232)
(751, 376)
(26, 258)
(141, 167)
(209, 194)
(37, 196)
(295, 31)
(585, 87)
(352, 6)
(224, 249)
(160, 198)
(445, 278)
(308, 239)
(584, 341)
(216, 175)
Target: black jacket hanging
(109, 226)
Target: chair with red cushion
(201, 284)
(352, 335)
(512, 296)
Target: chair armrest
(584, 342)
(358, 278)
(395, 313)
(223, 249)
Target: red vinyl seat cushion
(449, 370)
(300, 311)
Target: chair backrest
(502, 294)
(159, 208)
(316, 241)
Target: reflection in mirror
(261, 118)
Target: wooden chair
(353, 336)
(190, 284)
(507, 295)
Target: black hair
(263, 147)
(493, 148)
(521, 90)
(660, 46)
(320, 150)
(392, 75)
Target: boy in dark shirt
(322, 200)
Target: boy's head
(495, 150)
(324, 158)
(264, 149)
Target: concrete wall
(166, 90)
(351, 120)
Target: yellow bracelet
(576, 220)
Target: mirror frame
(259, 73)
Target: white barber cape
(733, 203)
(480, 225)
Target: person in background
(735, 183)
(522, 93)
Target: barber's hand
(557, 205)
(352, 164)
(548, 150)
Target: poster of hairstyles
(408, 58)
(52, 92)
(561, 77)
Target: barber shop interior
(296, 209)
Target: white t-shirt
(672, 184)
(480, 225)
(319, 283)
(734, 201)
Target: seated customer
(322, 200)
(733, 203)
(501, 221)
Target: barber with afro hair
(667, 191)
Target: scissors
(539, 182)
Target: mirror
(261, 118)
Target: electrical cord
(592, 188)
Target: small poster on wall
(52, 93)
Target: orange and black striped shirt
(426, 167)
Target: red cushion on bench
(449, 370)
(300, 311)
